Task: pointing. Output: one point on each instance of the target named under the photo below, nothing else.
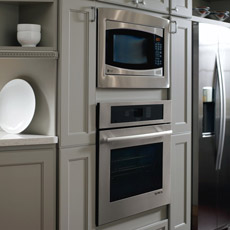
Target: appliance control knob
(175, 9)
(142, 2)
(135, 2)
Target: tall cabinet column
(180, 206)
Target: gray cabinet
(180, 206)
(77, 188)
(161, 225)
(77, 72)
(181, 8)
(161, 6)
(28, 187)
(181, 58)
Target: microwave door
(131, 53)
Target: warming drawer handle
(139, 136)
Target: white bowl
(17, 106)
(29, 27)
(28, 38)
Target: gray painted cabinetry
(179, 212)
(28, 188)
(181, 8)
(77, 72)
(161, 6)
(181, 76)
(28, 173)
(77, 102)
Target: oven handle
(139, 136)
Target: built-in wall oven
(133, 158)
(133, 50)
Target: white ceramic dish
(17, 106)
(28, 38)
(219, 15)
(29, 27)
(201, 11)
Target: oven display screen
(132, 113)
(135, 170)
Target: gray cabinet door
(27, 191)
(181, 75)
(161, 225)
(77, 72)
(77, 188)
(180, 206)
(181, 8)
(161, 6)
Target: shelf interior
(43, 13)
(215, 5)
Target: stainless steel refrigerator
(211, 127)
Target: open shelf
(14, 12)
(215, 5)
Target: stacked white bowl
(29, 35)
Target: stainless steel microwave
(133, 50)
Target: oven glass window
(132, 49)
(135, 170)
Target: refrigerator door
(205, 176)
(224, 170)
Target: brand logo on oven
(159, 192)
(109, 70)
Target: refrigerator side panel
(195, 126)
(204, 142)
(224, 172)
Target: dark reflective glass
(133, 49)
(135, 170)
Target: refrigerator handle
(221, 81)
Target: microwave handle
(139, 136)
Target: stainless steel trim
(140, 136)
(110, 25)
(126, 72)
(130, 80)
(111, 211)
(222, 113)
(105, 114)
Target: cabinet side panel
(21, 197)
(181, 182)
(78, 194)
(181, 77)
(78, 71)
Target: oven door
(133, 50)
(133, 171)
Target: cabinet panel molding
(180, 206)
(161, 6)
(77, 70)
(161, 225)
(27, 196)
(181, 8)
(77, 188)
(181, 76)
